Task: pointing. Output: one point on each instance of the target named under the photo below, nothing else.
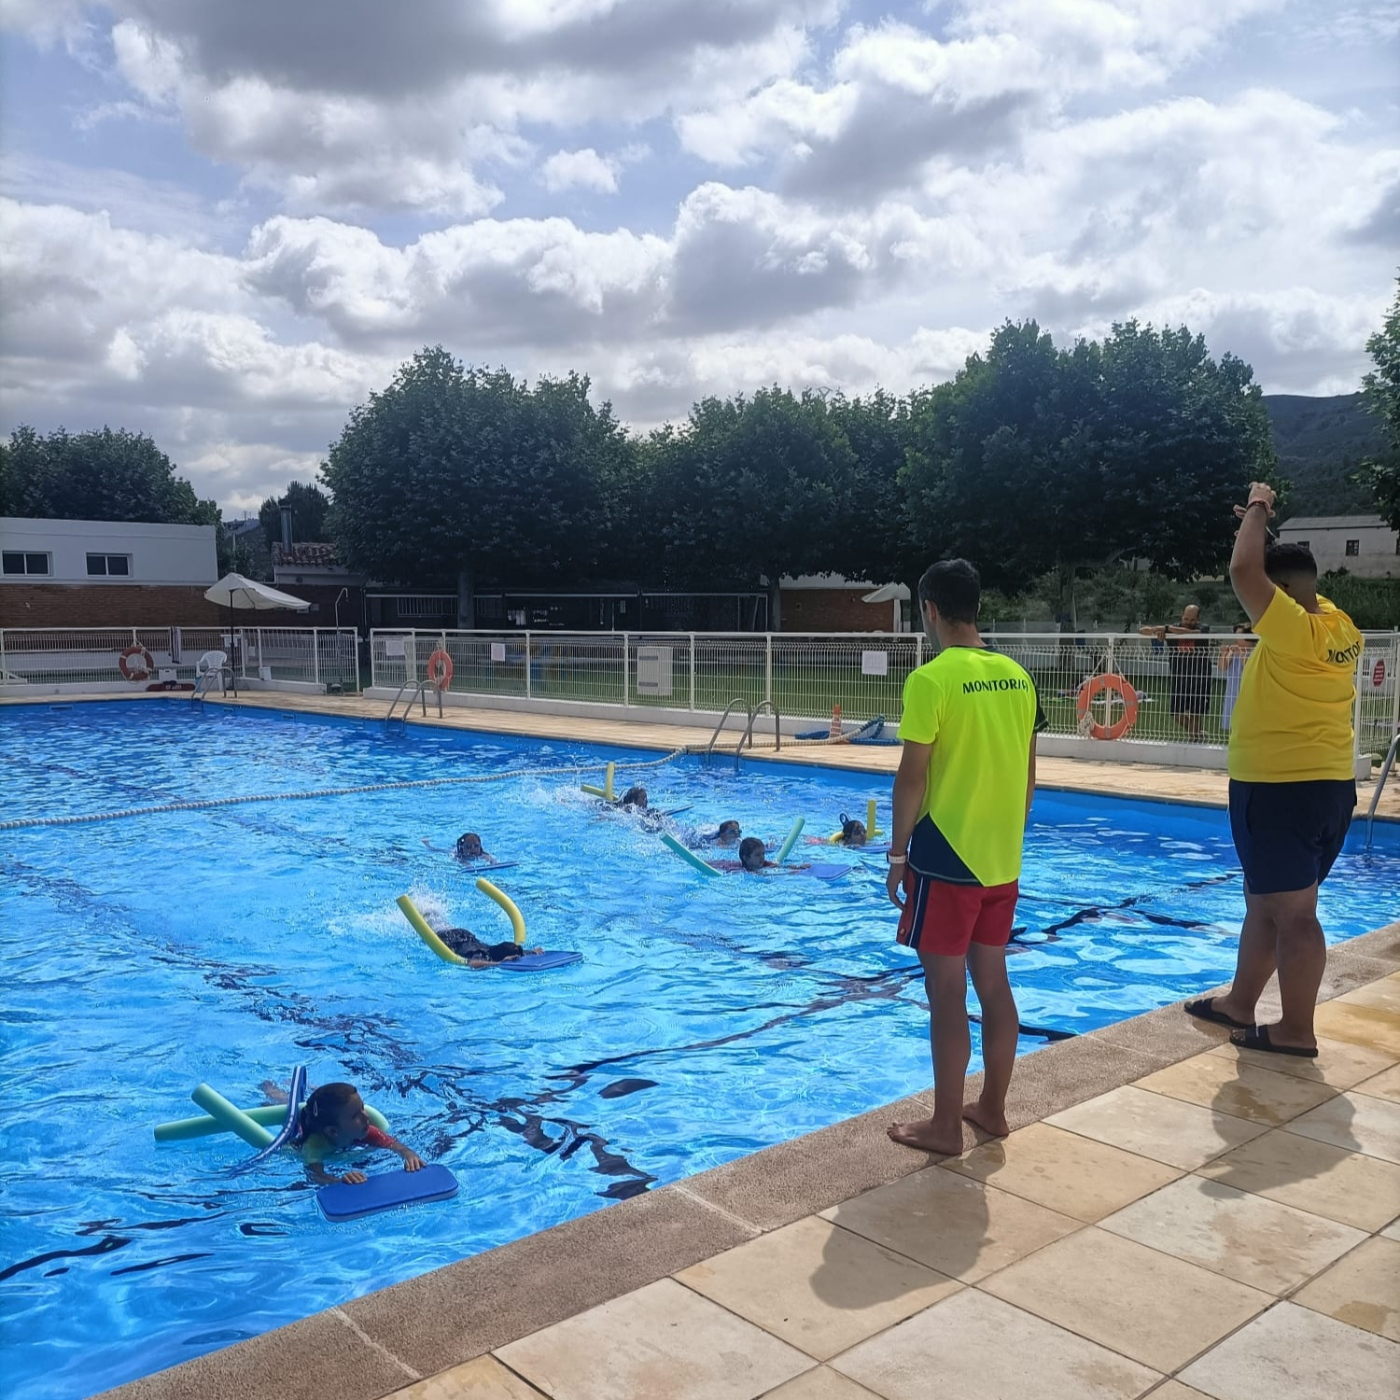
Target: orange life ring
(140, 672)
(440, 669)
(1090, 691)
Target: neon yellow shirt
(1292, 721)
(979, 711)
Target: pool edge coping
(378, 1343)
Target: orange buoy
(1112, 686)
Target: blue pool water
(709, 1019)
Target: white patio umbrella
(235, 591)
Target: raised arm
(1253, 587)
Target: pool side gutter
(379, 1343)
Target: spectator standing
(1188, 662)
(1292, 780)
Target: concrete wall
(1376, 546)
(158, 554)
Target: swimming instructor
(1292, 780)
(961, 798)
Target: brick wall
(130, 605)
(833, 610)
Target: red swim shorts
(945, 919)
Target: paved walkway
(1224, 1227)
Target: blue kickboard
(478, 866)
(823, 872)
(541, 962)
(341, 1201)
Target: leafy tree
(451, 474)
(871, 540)
(100, 475)
(309, 505)
(1036, 459)
(1381, 388)
(753, 488)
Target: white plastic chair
(212, 664)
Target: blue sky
(226, 224)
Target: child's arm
(377, 1137)
(322, 1177)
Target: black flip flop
(1204, 1010)
(1257, 1038)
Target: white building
(1361, 544)
(106, 552)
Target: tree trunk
(1068, 603)
(466, 600)
(775, 604)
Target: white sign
(393, 646)
(498, 651)
(874, 663)
(653, 670)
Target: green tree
(753, 488)
(1381, 388)
(1038, 460)
(871, 542)
(309, 506)
(452, 474)
(99, 475)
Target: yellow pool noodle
(424, 931)
(517, 919)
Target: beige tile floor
(1225, 1228)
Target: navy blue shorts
(1287, 835)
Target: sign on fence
(394, 646)
(874, 663)
(653, 670)
(498, 651)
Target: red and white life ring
(136, 663)
(1116, 686)
(440, 669)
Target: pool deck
(1170, 1217)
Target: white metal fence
(1179, 694)
(44, 658)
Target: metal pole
(692, 672)
(625, 647)
(529, 666)
(768, 667)
(315, 656)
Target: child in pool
(466, 944)
(467, 849)
(333, 1119)
(728, 834)
(853, 832)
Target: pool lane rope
(401, 786)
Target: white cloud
(585, 169)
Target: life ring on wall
(1090, 691)
(144, 663)
(440, 669)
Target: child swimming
(333, 1119)
(728, 835)
(466, 944)
(853, 832)
(467, 849)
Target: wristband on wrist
(897, 857)
(1252, 504)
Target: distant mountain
(1320, 443)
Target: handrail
(748, 732)
(419, 693)
(224, 671)
(1380, 783)
(728, 710)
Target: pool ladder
(1380, 784)
(419, 693)
(753, 712)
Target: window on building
(1353, 547)
(1304, 543)
(16, 562)
(109, 565)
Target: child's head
(852, 832)
(752, 855)
(469, 846)
(635, 797)
(729, 832)
(337, 1112)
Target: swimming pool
(709, 1019)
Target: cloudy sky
(225, 223)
